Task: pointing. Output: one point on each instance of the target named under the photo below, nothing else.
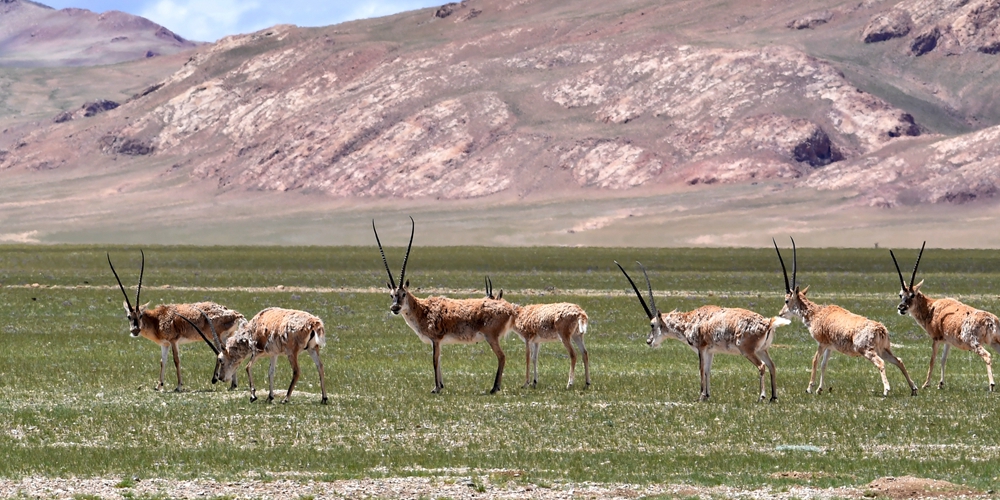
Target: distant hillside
(831, 105)
(33, 34)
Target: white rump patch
(779, 321)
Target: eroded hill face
(502, 98)
(33, 35)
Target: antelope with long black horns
(440, 320)
(165, 323)
(948, 321)
(836, 328)
(712, 329)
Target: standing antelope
(834, 327)
(539, 323)
(713, 329)
(950, 321)
(272, 332)
(163, 324)
(440, 320)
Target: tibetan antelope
(272, 332)
(539, 323)
(440, 320)
(713, 329)
(949, 321)
(836, 328)
(163, 324)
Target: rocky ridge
(530, 104)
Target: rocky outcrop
(893, 24)
(959, 25)
(810, 21)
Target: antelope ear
(387, 285)
(916, 288)
(144, 306)
(804, 291)
(407, 284)
(500, 295)
(128, 309)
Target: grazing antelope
(836, 328)
(949, 321)
(163, 324)
(713, 329)
(440, 320)
(539, 323)
(272, 332)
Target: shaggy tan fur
(539, 323)
(712, 329)
(164, 324)
(952, 323)
(274, 332)
(836, 328)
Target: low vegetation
(78, 399)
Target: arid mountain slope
(32, 34)
(533, 99)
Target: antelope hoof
(284, 401)
(179, 388)
(586, 385)
(913, 391)
(926, 385)
(494, 390)
(704, 397)
(270, 398)
(437, 390)
(526, 385)
(253, 398)
(941, 384)
(991, 387)
(819, 391)
(774, 399)
(324, 401)
(809, 390)
(232, 386)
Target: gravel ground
(405, 487)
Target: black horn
(120, 283)
(402, 272)
(795, 265)
(783, 270)
(914, 275)
(391, 281)
(900, 273)
(652, 301)
(142, 269)
(637, 293)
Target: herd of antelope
(437, 321)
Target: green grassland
(77, 396)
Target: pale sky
(209, 20)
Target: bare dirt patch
(916, 487)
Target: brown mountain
(717, 120)
(32, 34)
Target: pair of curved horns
(138, 289)
(649, 313)
(215, 349)
(795, 265)
(912, 276)
(402, 273)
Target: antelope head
(794, 298)
(401, 292)
(133, 314)
(908, 293)
(659, 327)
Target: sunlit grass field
(77, 396)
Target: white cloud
(201, 20)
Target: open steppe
(78, 399)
